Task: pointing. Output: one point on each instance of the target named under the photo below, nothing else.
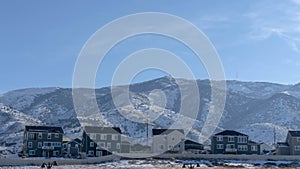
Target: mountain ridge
(251, 107)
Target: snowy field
(150, 164)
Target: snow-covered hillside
(255, 108)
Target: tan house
(168, 140)
(291, 146)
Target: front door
(44, 154)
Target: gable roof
(77, 140)
(165, 131)
(192, 142)
(108, 130)
(52, 129)
(253, 142)
(295, 133)
(230, 133)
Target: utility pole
(147, 128)
(274, 137)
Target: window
(55, 153)
(31, 152)
(108, 145)
(31, 136)
(29, 144)
(93, 136)
(253, 148)
(219, 138)
(242, 148)
(40, 136)
(103, 136)
(230, 139)
(219, 146)
(49, 136)
(115, 137)
(297, 148)
(161, 147)
(91, 144)
(98, 153)
(91, 153)
(230, 146)
(56, 144)
(40, 144)
(56, 135)
(298, 139)
(242, 139)
(47, 143)
(76, 145)
(101, 144)
(118, 146)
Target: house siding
(173, 142)
(37, 141)
(230, 145)
(112, 143)
(292, 144)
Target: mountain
(255, 108)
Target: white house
(168, 140)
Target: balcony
(48, 147)
(230, 150)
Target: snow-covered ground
(150, 164)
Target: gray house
(101, 141)
(291, 146)
(42, 141)
(193, 147)
(72, 148)
(233, 142)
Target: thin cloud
(296, 1)
(281, 19)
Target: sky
(40, 41)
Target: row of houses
(232, 142)
(47, 141)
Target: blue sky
(257, 40)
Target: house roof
(191, 142)
(230, 133)
(253, 142)
(165, 131)
(282, 144)
(108, 130)
(77, 140)
(53, 129)
(295, 133)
